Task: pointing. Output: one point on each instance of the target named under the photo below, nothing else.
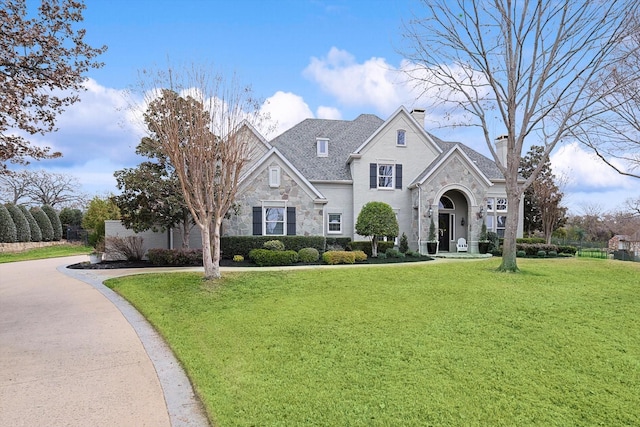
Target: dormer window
(322, 147)
(401, 138)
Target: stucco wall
(340, 200)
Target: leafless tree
(37, 188)
(42, 61)
(210, 151)
(527, 65)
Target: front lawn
(45, 252)
(442, 344)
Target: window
(385, 176)
(446, 203)
(400, 138)
(501, 225)
(501, 204)
(322, 147)
(335, 223)
(274, 176)
(490, 205)
(274, 221)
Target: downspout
(419, 216)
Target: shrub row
(365, 246)
(266, 257)
(532, 249)
(530, 240)
(339, 257)
(175, 257)
(242, 245)
(18, 224)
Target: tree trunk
(186, 232)
(374, 246)
(211, 271)
(509, 263)
(215, 245)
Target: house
(622, 242)
(315, 178)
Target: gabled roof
(252, 129)
(298, 144)
(274, 152)
(442, 158)
(485, 165)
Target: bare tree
(210, 150)
(42, 62)
(525, 64)
(40, 187)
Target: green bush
(55, 222)
(242, 245)
(394, 253)
(34, 228)
(23, 232)
(175, 257)
(552, 254)
(542, 254)
(339, 257)
(382, 255)
(360, 256)
(530, 240)
(238, 258)
(570, 250)
(44, 223)
(404, 243)
(273, 245)
(532, 249)
(8, 232)
(365, 246)
(308, 255)
(267, 258)
(521, 254)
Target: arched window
(446, 203)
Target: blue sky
(329, 59)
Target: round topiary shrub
(308, 255)
(542, 254)
(34, 228)
(55, 222)
(273, 245)
(552, 254)
(23, 233)
(7, 227)
(521, 254)
(44, 223)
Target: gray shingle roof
(298, 145)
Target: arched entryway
(453, 220)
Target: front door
(443, 231)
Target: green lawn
(46, 252)
(441, 344)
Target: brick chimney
(501, 148)
(418, 114)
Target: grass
(441, 344)
(46, 252)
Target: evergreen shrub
(23, 232)
(308, 255)
(7, 227)
(267, 258)
(339, 257)
(55, 222)
(34, 228)
(44, 223)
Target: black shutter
(373, 175)
(257, 221)
(399, 177)
(291, 221)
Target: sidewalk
(76, 354)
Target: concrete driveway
(73, 353)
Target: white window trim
(393, 175)
(398, 137)
(319, 144)
(329, 231)
(274, 176)
(274, 204)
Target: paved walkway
(73, 353)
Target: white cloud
(285, 109)
(329, 113)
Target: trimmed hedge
(7, 227)
(23, 232)
(571, 250)
(267, 258)
(360, 256)
(334, 242)
(175, 257)
(242, 245)
(55, 222)
(365, 246)
(34, 228)
(339, 257)
(308, 255)
(44, 223)
(530, 240)
(535, 248)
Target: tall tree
(526, 64)
(210, 150)
(542, 200)
(43, 57)
(40, 187)
(151, 196)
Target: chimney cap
(417, 110)
(502, 137)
